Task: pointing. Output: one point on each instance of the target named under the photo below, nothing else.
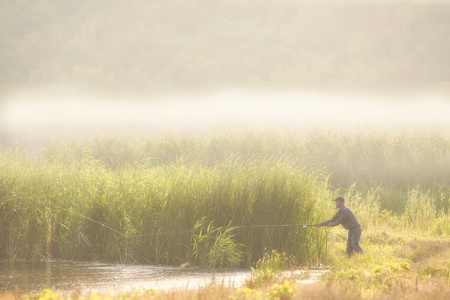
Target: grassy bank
(396, 265)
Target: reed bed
(86, 211)
(147, 200)
(371, 157)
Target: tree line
(167, 45)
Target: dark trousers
(354, 235)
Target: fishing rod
(262, 226)
(193, 231)
(186, 230)
(232, 227)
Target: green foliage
(283, 291)
(372, 272)
(441, 270)
(214, 246)
(48, 294)
(420, 210)
(269, 268)
(442, 225)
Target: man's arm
(326, 223)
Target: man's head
(340, 201)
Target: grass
(394, 264)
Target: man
(347, 219)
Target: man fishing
(347, 219)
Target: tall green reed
(135, 213)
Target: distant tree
(165, 45)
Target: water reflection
(107, 278)
(82, 278)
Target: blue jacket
(345, 217)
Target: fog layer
(34, 122)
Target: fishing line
(118, 232)
(92, 220)
(182, 230)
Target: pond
(86, 277)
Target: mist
(31, 122)
(80, 69)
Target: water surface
(78, 277)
